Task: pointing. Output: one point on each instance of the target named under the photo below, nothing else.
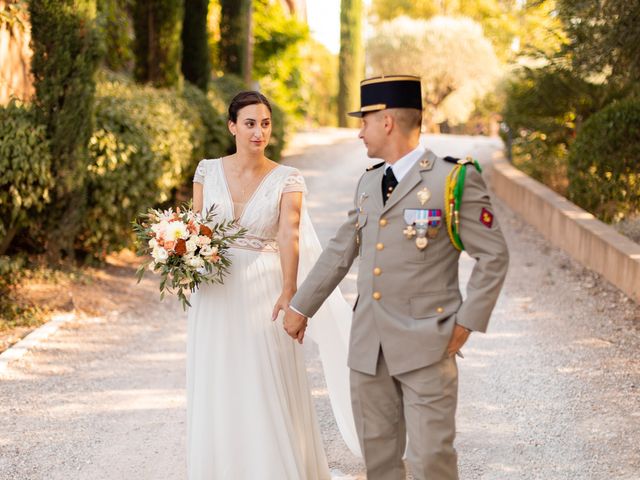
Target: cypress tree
(234, 35)
(196, 66)
(66, 54)
(351, 60)
(158, 49)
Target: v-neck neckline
(253, 194)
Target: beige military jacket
(408, 298)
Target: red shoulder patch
(486, 218)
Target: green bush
(116, 29)
(221, 92)
(146, 145)
(543, 110)
(604, 162)
(13, 310)
(66, 51)
(25, 169)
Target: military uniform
(408, 303)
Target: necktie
(389, 182)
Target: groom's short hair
(408, 119)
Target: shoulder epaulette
(373, 167)
(464, 161)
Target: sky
(323, 17)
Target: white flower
(195, 262)
(206, 251)
(203, 240)
(153, 243)
(175, 230)
(159, 254)
(192, 244)
(160, 228)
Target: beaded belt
(258, 244)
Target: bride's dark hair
(244, 99)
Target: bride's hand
(282, 304)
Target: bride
(249, 409)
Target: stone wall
(593, 243)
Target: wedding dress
(250, 413)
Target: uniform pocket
(442, 304)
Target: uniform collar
(402, 166)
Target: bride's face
(253, 128)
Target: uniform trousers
(420, 405)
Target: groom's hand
(458, 339)
(295, 324)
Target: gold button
(439, 309)
(377, 271)
(383, 222)
(379, 246)
(376, 295)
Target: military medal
(424, 195)
(409, 232)
(424, 224)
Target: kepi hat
(394, 91)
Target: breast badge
(424, 195)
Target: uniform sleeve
(294, 182)
(330, 268)
(198, 176)
(483, 240)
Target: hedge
(146, 145)
(604, 163)
(25, 169)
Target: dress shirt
(403, 165)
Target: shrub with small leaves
(25, 169)
(604, 163)
(146, 145)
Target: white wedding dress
(250, 413)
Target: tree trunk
(158, 49)
(351, 61)
(196, 66)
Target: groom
(409, 319)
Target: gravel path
(551, 392)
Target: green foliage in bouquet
(604, 163)
(25, 170)
(174, 241)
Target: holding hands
(295, 324)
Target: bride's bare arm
(288, 236)
(197, 197)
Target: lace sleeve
(198, 176)
(294, 183)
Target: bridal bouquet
(186, 249)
